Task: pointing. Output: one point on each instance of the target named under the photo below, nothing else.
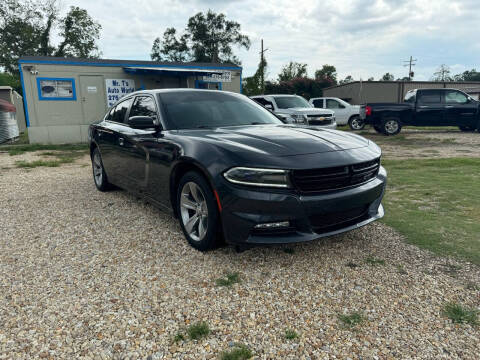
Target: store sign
(223, 77)
(118, 88)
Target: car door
(133, 144)
(459, 109)
(429, 109)
(341, 113)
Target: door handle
(423, 106)
(120, 141)
(448, 106)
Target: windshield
(287, 102)
(210, 109)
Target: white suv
(344, 112)
(296, 110)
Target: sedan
(230, 170)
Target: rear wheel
(391, 126)
(99, 175)
(356, 123)
(198, 212)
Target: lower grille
(319, 122)
(336, 220)
(315, 180)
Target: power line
(410, 63)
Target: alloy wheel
(194, 211)
(391, 126)
(357, 124)
(97, 168)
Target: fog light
(273, 225)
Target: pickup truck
(345, 113)
(294, 109)
(424, 107)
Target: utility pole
(410, 63)
(262, 69)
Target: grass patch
(178, 337)
(239, 352)
(435, 204)
(370, 260)
(229, 279)
(351, 320)
(290, 334)
(45, 163)
(198, 330)
(401, 270)
(21, 149)
(459, 314)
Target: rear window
(430, 97)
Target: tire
(197, 212)
(466, 128)
(391, 126)
(356, 123)
(99, 176)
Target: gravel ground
(85, 274)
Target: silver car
(296, 110)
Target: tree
(371, 78)
(207, 38)
(469, 75)
(387, 77)
(253, 85)
(26, 28)
(348, 79)
(327, 73)
(405, 78)
(171, 48)
(442, 74)
(7, 79)
(292, 71)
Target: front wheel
(99, 175)
(198, 212)
(391, 126)
(356, 123)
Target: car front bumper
(310, 217)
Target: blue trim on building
(79, 63)
(27, 118)
(43, 98)
(199, 82)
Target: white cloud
(360, 37)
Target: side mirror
(269, 107)
(141, 122)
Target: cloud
(361, 38)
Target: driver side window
(334, 104)
(455, 97)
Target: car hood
(278, 140)
(307, 110)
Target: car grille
(336, 220)
(316, 119)
(314, 180)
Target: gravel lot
(85, 274)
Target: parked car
(223, 165)
(295, 109)
(424, 107)
(345, 113)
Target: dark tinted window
(430, 97)
(263, 101)
(197, 109)
(119, 111)
(455, 97)
(143, 106)
(288, 102)
(318, 103)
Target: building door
(92, 96)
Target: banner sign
(223, 77)
(118, 88)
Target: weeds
(351, 320)
(239, 352)
(459, 314)
(198, 330)
(374, 261)
(229, 279)
(290, 334)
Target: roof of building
(117, 62)
(407, 82)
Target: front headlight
(258, 177)
(299, 118)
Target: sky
(361, 38)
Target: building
(360, 92)
(7, 93)
(64, 95)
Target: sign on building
(118, 88)
(223, 77)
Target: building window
(56, 89)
